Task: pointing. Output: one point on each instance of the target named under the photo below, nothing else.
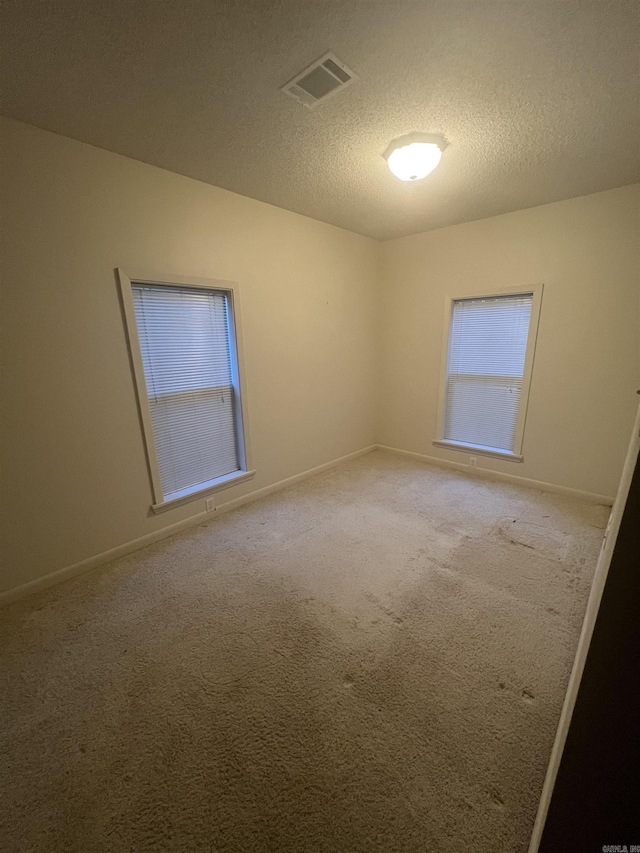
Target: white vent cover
(319, 81)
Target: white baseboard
(69, 572)
(282, 484)
(94, 562)
(486, 473)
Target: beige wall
(74, 474)
(585, 375)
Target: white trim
(139, 384)
(94, 562)
(477, 292)
(591, 614)
(232, 290)
(527, 374)
(486, 473)
(202, 489)
(477, 449)
(239, 378)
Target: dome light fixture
(415, 155)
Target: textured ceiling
(538, 99)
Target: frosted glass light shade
(414, 156)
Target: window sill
(478, 450)
(203, 489)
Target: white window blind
(486, 359)
(185, 344)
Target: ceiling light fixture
(415, 155)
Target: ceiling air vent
(319, 81)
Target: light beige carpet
(372, 660)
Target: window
(485, 385)
(182, 337)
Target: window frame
(485, 293)
(241, 418)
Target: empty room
(320, 351)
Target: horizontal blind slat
(186, 356)
(485, 369)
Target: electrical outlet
(473, 462)
(211, 504)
